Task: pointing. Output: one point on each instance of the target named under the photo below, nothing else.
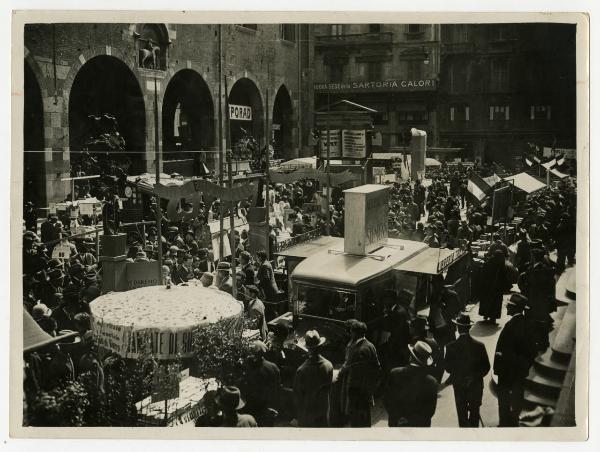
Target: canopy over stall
(431, 261)
(525, 182)
(303, 162)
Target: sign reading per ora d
(240, 112)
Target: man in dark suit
(358, 376)
(537, 283)
(262, 385)
(467, 363)
(312, 384)
(266, 277)
(515, 352)
(410, 396)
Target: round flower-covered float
(158, 320)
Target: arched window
(153, 45)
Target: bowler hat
(422, 352)
(230, 398)
(463, 320)
(313, 340)
(173, 229)
(252, 289)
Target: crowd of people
(406, 374)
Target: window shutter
(491, 113)
(507, 113)
(451, 113)
(467, 113)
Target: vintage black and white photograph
(300, 225)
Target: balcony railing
(454, 48)
(384, 37)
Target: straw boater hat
(313, 340)
(421, 351)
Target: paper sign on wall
(354, 144)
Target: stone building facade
(73, 71)
(391, 68)
(503, 86)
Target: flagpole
(157, 164)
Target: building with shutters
(391, 68)
(503, 86)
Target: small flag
(529, 162)
(558, 173)
(560, 161)
(549, 164)
(492, 180)
(536, 159)
(477, 186)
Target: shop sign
(240, 112)
(377, 85)
(354, 144)
(378, 171)
(334, 144)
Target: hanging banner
(196, 191)
(226, 246)
(354, 144)
(311, 173)
(240, 112)
(334, 144)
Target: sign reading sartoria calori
(377, 85)
(240, 112)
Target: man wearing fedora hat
(262, 385)
(312, 384)
(538, 284)
(229, 399)
(255, 311)
(515, 352)
(467, 363)
(410, 396)
(359, 376)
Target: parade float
(160, 323)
